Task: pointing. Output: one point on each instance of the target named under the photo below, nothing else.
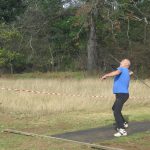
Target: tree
(80, 36)
(92, 41)
(10, 9)
(12, 61)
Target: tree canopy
(10, 9)
(50, 35)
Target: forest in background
(74, 35)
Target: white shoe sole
(120, 135)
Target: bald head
(125, 63)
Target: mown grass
(17, 142)
(65, 122)
(138, 141)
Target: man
(120, 89)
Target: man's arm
(111, 74)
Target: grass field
(51, 114)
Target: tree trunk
(92, 47)
(11, 69)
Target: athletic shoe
(126, 125)
(121, 132)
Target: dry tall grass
(44, 104)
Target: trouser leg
(123, 118)
(117, 108)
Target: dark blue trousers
(121, 98)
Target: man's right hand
(103, 77)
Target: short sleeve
(120, 69)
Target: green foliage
(52, 38)
(51, 7)
(64, 38)
(9, 9)
(7, 33)
(12, 60)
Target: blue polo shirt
(121, 81)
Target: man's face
(122, 63)
(125, 63)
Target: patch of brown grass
(44, 104)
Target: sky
(68, 3)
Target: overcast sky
(68, 3)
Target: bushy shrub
(11, 61)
